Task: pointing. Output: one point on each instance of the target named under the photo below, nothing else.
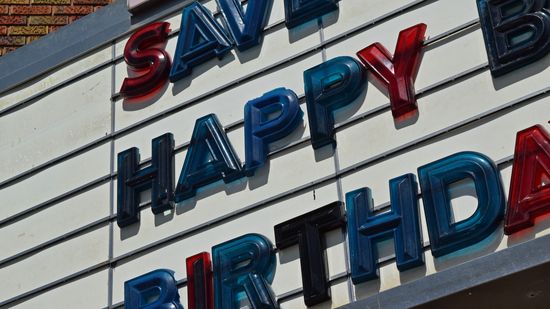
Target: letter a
(530, 185)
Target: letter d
(435, 179)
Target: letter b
(156, 289)
(516, 32)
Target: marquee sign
(515, 33)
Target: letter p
(267, 119)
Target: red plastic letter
(398, 72)
(152, 62)
(530, 185)
(199, 281)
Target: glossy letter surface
(158, 177)
(244, 267)
(330, 86)
(210, 157)
(246, 27)
(398, 72)
(530, 186)
(298, 12)
(308, 232)
(153, 290)
(262, 129)
(201, 38)
(145, 57)
(516, 32)
(200, 293)
(365, 228)
(435, 179)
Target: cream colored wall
(76, 191)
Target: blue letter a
(200, 40)
(210, 157)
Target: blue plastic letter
(298, 12)
(244, 268)
(260, 129)
(210, 157)
(330, 86)
(516, 32)
(158, 176)
(365, 228)
(435, 179)
(153, 290)
(200, 40)
(246, 28)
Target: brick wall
(23, 21)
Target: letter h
(365, 228)
(158, 177)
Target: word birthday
(516, 33)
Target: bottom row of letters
(242, 269)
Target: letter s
(143, 56)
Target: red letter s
(142, 56)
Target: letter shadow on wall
(386, 256)
(135, 104)
(254, 52)
(261, 176)
(196, 71)
(251, 53)
(308, 28)
(259, 179)
(145, 210)
(464, 190)
(522, 73)
(209, 190)
(341, 115)
(542, 223)
(402, 123)
(159, 219)
(304, 30)
(460, 192)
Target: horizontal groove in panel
(27, 101)
(210, 94)
(238, 124)
(299, 143)
(113, 263)
(65, 263)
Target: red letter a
(398, 72)
(530, 185)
